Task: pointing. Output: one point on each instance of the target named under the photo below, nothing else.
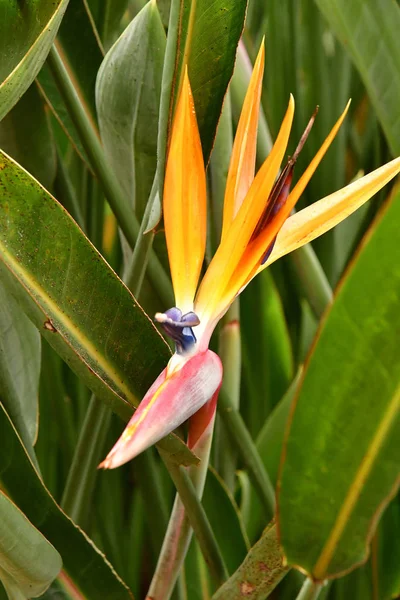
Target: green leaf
(369, 30)
(25, 135)
(74, 298)
(128, 92)
(83, 565)
(27, 31)
(79, 46)
(19, 368)
(207, 41)
(343, 448)
(225, 520)
(260, 572)
(28, 562)
(205, 37)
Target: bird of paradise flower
(258, 228)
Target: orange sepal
(185, 201)
(214, 286)
(243, 159)
(250, 264)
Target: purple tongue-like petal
(280, 191)
(174, 313)
(179, 328)
(268, 252)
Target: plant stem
(310, 590)
(109, 182)
(243, 441)
(179, 532)
(136, 270)
(82, 474)
(230, 353)
(199, 522)
(312, 279)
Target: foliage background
(321, 51)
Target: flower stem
(187, 513)
(109, 182)
(230, 353)
(139, 262)
(310, 590)
(199, 522)
(243, 441)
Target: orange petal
(185, 201)
(313, 221)
(230, 252)
(243, 160)
(250, 264)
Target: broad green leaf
(83, 565)
(27, 31)
(74, 298)
(342, 452)
(81, 51)
(28, 562)
(369, 31)
(225, 520)
(128, 91)
(267, 372)
(204, 37)
(19, 368)
(25, 135)
(260, 572)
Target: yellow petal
(249, 266)
(230, 251)
(243, 160)
(185, 201)
(313, 221)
